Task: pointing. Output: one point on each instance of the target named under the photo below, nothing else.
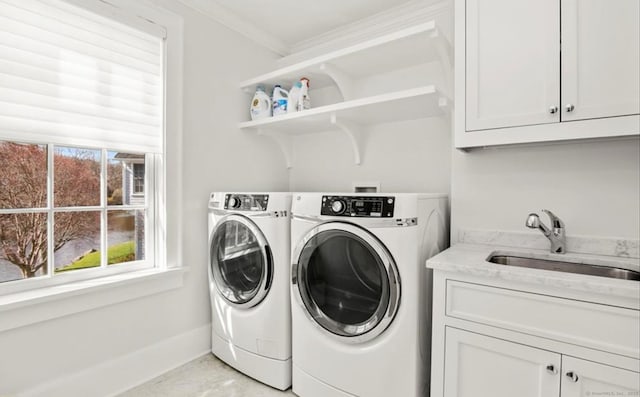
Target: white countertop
(472, 259)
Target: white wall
(216, 156)
(410, 156)
(407, 156)
(593, 186)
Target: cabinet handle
(552, 369)
(553, 109)
(572, 375)
(570, 108)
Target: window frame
(18, 293)
(149, 207)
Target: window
(81, 143)
(138, 178)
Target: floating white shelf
(410, 46)
(415, 45)
(352, 116)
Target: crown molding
(396, 18)
(232, 21)
(399, 17)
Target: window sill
(30, 307)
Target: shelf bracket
(354, 133)
(444, 104)
(443, 47)
(343, 81)
(283, 141)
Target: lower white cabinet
(494, 337)
(479, 365)
(582, 378)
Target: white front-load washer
(361, 292)
(249, 264)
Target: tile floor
(204, 377)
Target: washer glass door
(240, 260)
(347, 280)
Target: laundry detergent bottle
(280, 99)
(260, 104)
(294, 97)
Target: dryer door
(346, 280)
(240, 260)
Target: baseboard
(115, 376)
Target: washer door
(347, 281)
(240, 260)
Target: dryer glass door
(240, 260)
(347, 281)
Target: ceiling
(293, 21)
(282, 24)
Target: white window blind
(70, 76)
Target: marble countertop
(472, 259)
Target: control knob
(234, 202)
(338, 206)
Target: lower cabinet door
(478, 365)
(581, 378)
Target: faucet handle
(556, 222)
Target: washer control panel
(246, 202)
(358, 206)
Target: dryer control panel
(358, 206)
(246, 202)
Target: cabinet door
(600, 58)
(512, 63)
(478, 365)
(581, 378)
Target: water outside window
(77, 234)
(125, 236)
(125, 186)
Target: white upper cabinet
(545, 70)
(512, 62)
(600, 58)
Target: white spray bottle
(304, 102)
(294, 97)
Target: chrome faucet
(555, 234)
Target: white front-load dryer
(361, 292)
(249, 264)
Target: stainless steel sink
(567, 267)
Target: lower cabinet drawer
(608, 328)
